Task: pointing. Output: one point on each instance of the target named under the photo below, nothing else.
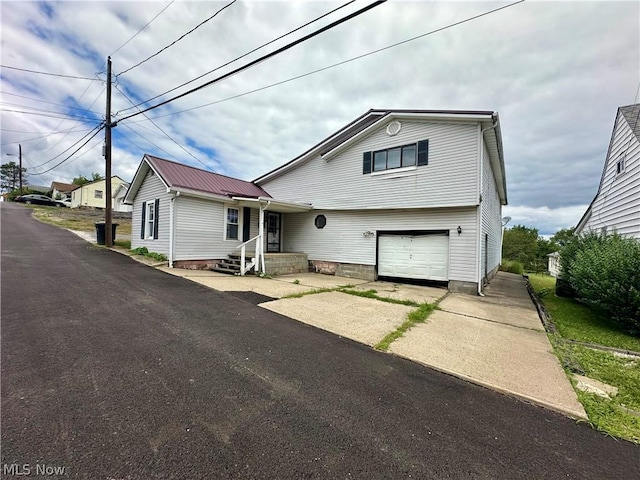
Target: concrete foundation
(285, 263)
(469, 288)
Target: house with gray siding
(398, 194)
(616, 205)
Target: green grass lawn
(576, 321)
(620, 415)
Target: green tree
(10, 176)
(81, 179)
(563, 236)
(521, 245)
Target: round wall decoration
(394, 128)
(320, 221)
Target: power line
(97, 128)
(46, 73)
(176, 41)
(241, 56)
(59, 115)
(71, 155)
(358, 57)
(77, 121)
(11, 104)
(145, 26)
(71, 130)
(264, 57)
(166, 134)
(45, 101)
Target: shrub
(564, 283)
(605, 273)
(145, 252)
(512, 266)
(140, 251)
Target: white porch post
(260, 242)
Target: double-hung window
(404, 156)
(149, 227)
(233, 219)
(98, 194)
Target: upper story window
(233, 218)
(396, 157)
(620, 165)
(98, 194)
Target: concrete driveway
(496, 341)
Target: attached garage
(421, 256)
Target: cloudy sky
(556, 72)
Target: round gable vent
(394, 128)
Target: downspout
(480, 199)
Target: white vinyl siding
(151, 189)
(450, 178)
(342, 239)
(617, 204)
(491, 218)
(200, 229)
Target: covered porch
(264, 252)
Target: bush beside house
(604, 271)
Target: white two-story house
(616, 205)
(398, 194)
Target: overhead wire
(166, 134)
(97, 128)
(143, 28)
(43, 136)
(263, 58)
(66, 117)
(241, 56)
(45, 101)
(177, 40)
(71, 155)
(358, 57)
(46, 73)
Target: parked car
(38, 200)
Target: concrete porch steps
(230, 265)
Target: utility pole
(20, 166)
(108, 239)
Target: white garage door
(414, 256)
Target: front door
(272, 226)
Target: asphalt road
(114, 370)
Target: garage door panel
(417, 257)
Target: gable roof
(370, 120)
(62, 187)
(184, 178)
(631, 114)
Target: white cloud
(547, 220)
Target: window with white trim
(151, 219)
(620, 166)
(233, 220)
(403, 156)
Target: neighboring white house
(616, 206)
(414, 194)
(553, 263)
(62, 189)
(118, 199)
